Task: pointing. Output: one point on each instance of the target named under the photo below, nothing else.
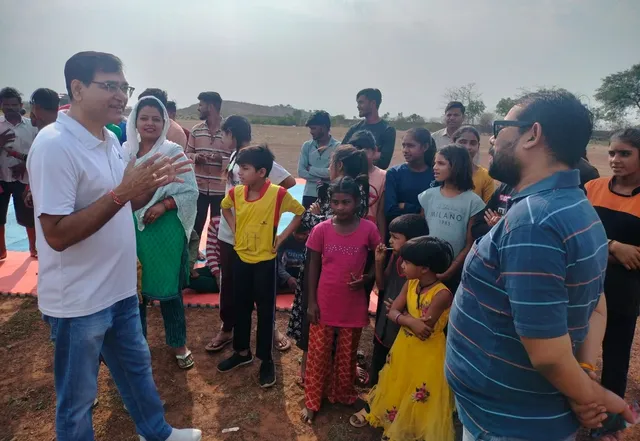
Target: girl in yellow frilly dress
(412, 400)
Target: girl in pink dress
(337, 297)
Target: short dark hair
(171, 106)
(240, 129)
(424, 138)
(629, 136)
(258, 156)
(211, 98)
(461, 166)
(46, 98)
(429, 252)
(363, 140)
(83, 66)
(10, 92)
(319, 118)
(371, 95)
(455, 105)
(158, 93)
(464, 129)
(410, 226)
(566, 123)
(149, 102)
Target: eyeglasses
(113, 87)
(499, 125)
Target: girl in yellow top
(469, 138)
(412, 400)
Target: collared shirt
(257, 220)
(25, 134)
(313, 164)
(70, 169)
(539, 274)
(210, 175)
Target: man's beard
(204, 116)
(505, 166)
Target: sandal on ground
(362, 377)
(185, 361)
(284, 344)
(217, 344)
(306, 417)
(359, 419)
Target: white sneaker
(182, 435)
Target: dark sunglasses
(502, 124)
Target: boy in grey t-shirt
(448, 217)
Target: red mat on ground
(19, 276)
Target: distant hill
(245, 109)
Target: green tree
(471, 99)
(620, 93)
(504, 105)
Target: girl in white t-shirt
(236, 135)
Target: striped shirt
(538, 273)
(210, 174)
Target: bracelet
(588, 367)
(116, 199)
(169, 204)
(397, 318)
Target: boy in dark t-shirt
(291, 257)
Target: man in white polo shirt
(83, 197)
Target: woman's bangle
(116, 199)
(169, 204)
(398, 318)
(588, 367)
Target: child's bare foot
(307, 415)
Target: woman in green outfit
(163, 227)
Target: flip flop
(359, 419)
(217, 345)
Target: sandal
(284, 344)
(362, 377)
(217, 344)
(307, 415)
(359, 419)
(185, 361)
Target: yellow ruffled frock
(412, 400)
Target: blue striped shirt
(538, 273)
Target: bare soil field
(201, 397)
(286, 142)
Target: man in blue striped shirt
(529, 316)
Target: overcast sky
(318, 54)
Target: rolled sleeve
(533, 271)
(53, 181)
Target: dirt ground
(201, 397)
(286, 142)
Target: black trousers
(207, 203)
(24, 214)
(378, 360)
(616, 351)
(254, 283)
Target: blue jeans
(466, 436)
(116, 333)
